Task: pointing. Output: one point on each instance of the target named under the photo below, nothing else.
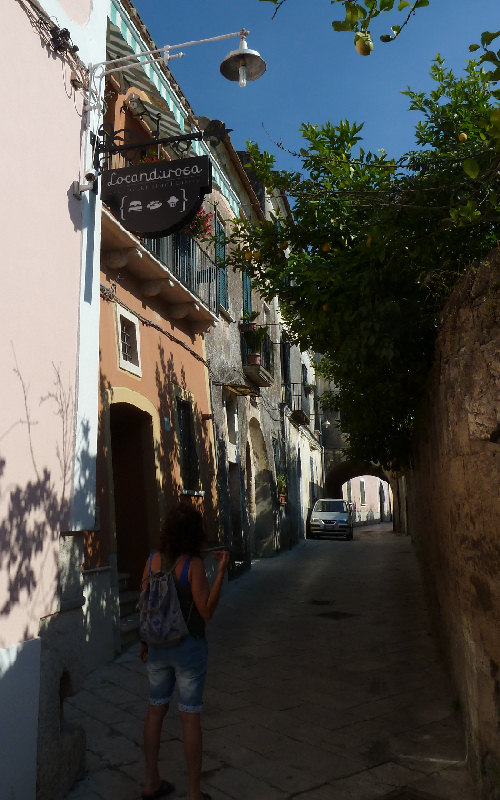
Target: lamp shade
(252, 62)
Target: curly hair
(182, 531)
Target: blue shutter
(247, 293)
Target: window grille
(129, 341)
(129, 350)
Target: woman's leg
(192, 738)
(151, 737)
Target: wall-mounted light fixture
(242, 65)
(135, 104)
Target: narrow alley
(324, 684)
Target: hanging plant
(201, 226)
(149, 157)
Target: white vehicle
(331, 517)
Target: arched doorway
(135, 489)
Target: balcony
(257, 357)
(178, 272)
(299, 402)
(187, 260)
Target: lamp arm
(242, 34)
(118, 64)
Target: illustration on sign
(159, 198)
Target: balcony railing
(257, 357)
(298, 400)
(189, 263)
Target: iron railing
(189, 263)
(264, 348)
(297, 399)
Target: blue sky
(313, 74)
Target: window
(304, 374)
(349, 492)
(220, 259)
(247, 293)
(128, 341)
(362, 492)
(188, 459)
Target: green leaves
(471, 168)
(375, 246)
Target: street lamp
(242, 64)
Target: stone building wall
(454, 507)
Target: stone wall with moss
(454, 507)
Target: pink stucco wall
(369, 510)
(40, 261)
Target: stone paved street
(324, 684)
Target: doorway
(135, 489)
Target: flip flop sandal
(165, 788)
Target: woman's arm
(206, 598)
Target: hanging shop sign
(157, 198)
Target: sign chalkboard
(157, 198)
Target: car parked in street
(331, 517)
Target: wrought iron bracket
(110, 142)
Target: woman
(186, 664)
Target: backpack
(161, 621)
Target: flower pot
(248, 327)
(253, 359)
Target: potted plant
(254, 339)
(248, 323)
(309, 388)
(281, 487)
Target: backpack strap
(184, 578)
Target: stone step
(123, 579)
(128, 602)
(129, 629)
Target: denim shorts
(185, 665)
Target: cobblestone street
(324, 684)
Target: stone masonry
(454, 506)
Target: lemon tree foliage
(374, 247)
(358, 18)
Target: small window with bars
(128, 341)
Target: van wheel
(349, 535)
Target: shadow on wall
(201, 458)
(33, 544)
(138, 470)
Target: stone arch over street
(338, 474)
(343, 471)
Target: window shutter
(220, 258)
(247, 293)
